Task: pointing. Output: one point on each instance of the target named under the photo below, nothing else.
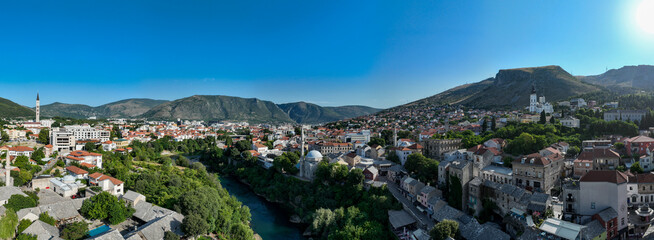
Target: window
(592, 205)
(622, 221)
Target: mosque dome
(314, 155)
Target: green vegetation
(75, 231)
(168, 235)
(17, 202)
(105, 206)
(9, 109)
(26, 237)
(444, 229)
(309, 113)
(335, 189)
(422, 168)
(197, 194)
(8, 224)
(454, 192)
(23, 224)
(46, 218)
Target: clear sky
(376, 53)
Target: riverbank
(269, 220)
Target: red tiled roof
(21, 149)
(76, 170)
(604, 176)
(640, 139)
(87, 165)
(598, 153)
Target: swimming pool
(99, 230)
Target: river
(268, 219)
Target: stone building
(536, 172)
(435, 148)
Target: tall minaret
(302, 151)
(38, 108)
(395, 136)
(8, 181)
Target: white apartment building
(85, 132)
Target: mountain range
(198, 107)
(508, 89)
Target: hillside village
(441, 164)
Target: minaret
(38, 108)
(8, 181)
(302, 152)
(395, 136)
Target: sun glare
(645, 16)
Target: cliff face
(510, 89)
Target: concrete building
(330, 147)
(61, 140)
(600, 190)
(107, 183)
(638, 145)
(86, 132)
(497, 174)
(536, 172)
(436, 148)
(570, 122)
(624, 115)
(84, 157)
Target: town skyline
(389, 53)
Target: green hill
(9, 109)
(308, 113)
(640, 77)
(510, 89)
(124, 108)
(218, 108)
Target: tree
(552, 120)
(168, 235)
(455, 192)
(543, 117)
(17, 202)
(572, 151)
(378, 141)
(74, 231)
(46, 218)
(89, 146)
(392, 156)
(194, 225)
(8, 224)
(23, 224)
(493, 124)
(636, 168)
(507, 161)
(5, 136)
(44, 136)
(26, 237)
(619, 146)
(444, 229)
(106, 206)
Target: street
(423, 219)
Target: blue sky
(376, 53)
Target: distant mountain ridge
(510, 89)
(220, 108)
(640, 77)
(302, 112)
(121, 109)
(11, 109)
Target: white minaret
(395, 136)
(8, 181)
(38, 108)
(302, 151)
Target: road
(423, 219)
